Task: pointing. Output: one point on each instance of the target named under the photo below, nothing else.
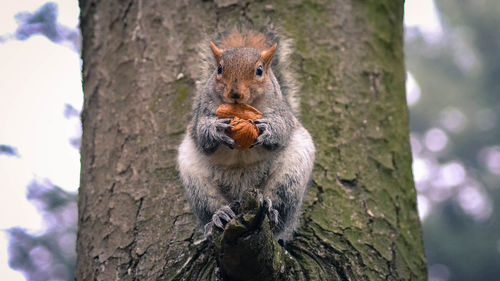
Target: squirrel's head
(242, 73)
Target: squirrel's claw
(262, 125)
(223, 125)
(227, 141)
(262, 138)
(208, 229)
(264, 132)
(272, 214)
(222, 216)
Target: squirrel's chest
(230, 158)
(232, 181)
(233, 171)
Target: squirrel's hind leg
(288, 182)
(201, 193)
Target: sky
(38, 79)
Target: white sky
(37, 79)
(423, 14)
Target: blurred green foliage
(456, 139)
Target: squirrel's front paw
(272, 214)
(222, 128)
(264, 131)
(221, 217)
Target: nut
(244, 131)
(242, 111)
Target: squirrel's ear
(216, 51)
(267, 55)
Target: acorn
(244, 131)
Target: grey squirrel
(279, 163)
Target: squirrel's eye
(259, 71)
(219, 69)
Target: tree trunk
(139, 68)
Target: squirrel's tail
(261, 40)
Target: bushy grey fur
(279, 164)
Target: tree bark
(139, 68)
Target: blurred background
(453, 93)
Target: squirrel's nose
(235, 95)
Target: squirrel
(280, 162)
